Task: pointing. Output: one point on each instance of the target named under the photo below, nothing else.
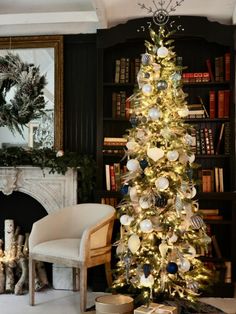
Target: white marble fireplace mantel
(52, 190)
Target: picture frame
(43, 42)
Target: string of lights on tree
(161, 231)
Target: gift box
(114, 304)
(155, 308)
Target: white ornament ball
(162, 52)
(183, 112)
(172, 155)
(147, 89)
(189, 140)
(155, 153)
(132, 145)
(162, 183)
(144, 202)
(132, 165)
(154, 114)
(184, 265)
(134, 243)
(147, 282)
(146, 226)
(126, 220)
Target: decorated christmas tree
(162, 233)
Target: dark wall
(80, 93)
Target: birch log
(41, 276)
(2, 272)
(22, 264)
(10, 254)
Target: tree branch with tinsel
(56, 161)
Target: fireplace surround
(52, 190)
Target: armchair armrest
(97, 236)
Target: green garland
(56, 161)
(28, 101)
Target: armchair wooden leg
(83, 288)
(108, 273)
(31, 281)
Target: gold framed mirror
(43, 47)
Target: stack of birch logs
(14, 262)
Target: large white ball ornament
(183, 112)
(155, 153)
(132, 145)
(134, 243)
(126, 220)
(184, 265)
(172, 155)
(147, 89)
(147, 282)
(144, 202)
(162, 183)
(162, 52)
(146, 226)
(132, 165)
(154, 113)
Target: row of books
(219, 68)
(126, 70)
(207, 143)
(219, 103)
(192, 77)
(120, 105)
(210, 213)
(212, 180)
(203, 143)
(197, 111)
(113, 174)
(114, 141)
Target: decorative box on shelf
(155, 308)
(114, 304)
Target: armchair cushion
(62, 248)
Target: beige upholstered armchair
(79, 237)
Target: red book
(227, 66)
(221, 103)
(212, 104)
(226, 103)
(209, 68)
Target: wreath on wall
(27, 86)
